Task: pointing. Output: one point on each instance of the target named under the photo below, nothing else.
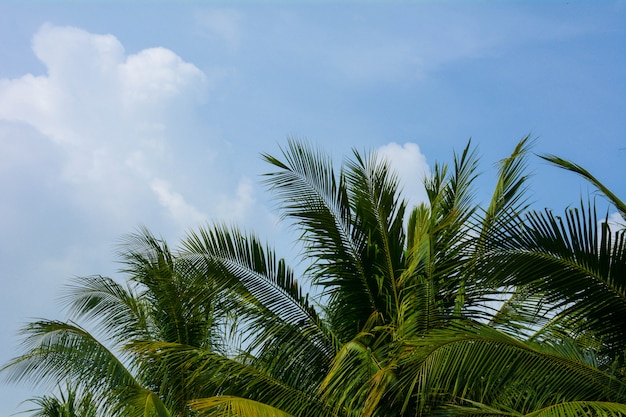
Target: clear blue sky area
(155, 113)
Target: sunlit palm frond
(283, 326)
(230, 406)
(469, 361)
(362, 373)
(439, 239)
(312, 195)
(509, 197)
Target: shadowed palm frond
(563, 409)
(69, 402)
(57, 351)
(577, 262)
(317, 200)
(215, 375)
(118, 311)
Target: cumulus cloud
(111, 117)
(410, 164)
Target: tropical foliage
(448, 308)
(68, 403)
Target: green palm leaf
(57, 351)
(471, 362)
(577, 262)
(283, 328)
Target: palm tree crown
(447, 308)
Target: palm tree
(577, 263)
(410, 318)
(400, 325)
(162, 301)
(68, 403)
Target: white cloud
(110, 116)
(616, 222)
(156, 75)
(410, 164)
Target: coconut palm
(402, 323)
(161, 301)
(406, 317)
(68, 403)
(577, 262)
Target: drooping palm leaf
(577, 262)
(119, 312)
(215, 375)
(230, 406)
(471, 362)
(571, 166)
(283, 327)
(57, 351)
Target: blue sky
(114, 116)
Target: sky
(115, 115)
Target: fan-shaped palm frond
(283, 328)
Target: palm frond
(282, 323)
(316, 199)
(373, 191)
(576, 262)
(571, 166)
(230, 406)
(581, 409)
(214, 375)
(118, 312)
(69, 402)
(57, 351)
(469, 361)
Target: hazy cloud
(222, 25)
